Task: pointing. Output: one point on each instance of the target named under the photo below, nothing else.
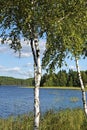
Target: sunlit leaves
(69, 23)
(17, 18)
(59, 19)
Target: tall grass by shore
(63, 120)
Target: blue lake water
(18, 100)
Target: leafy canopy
(63, 21)
(67, 32)
(19, 18)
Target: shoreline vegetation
(68, 119)
(62, 78)
(57, 87)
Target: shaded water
(17, 100)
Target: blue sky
(13, 66)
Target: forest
(15, 82)
(62, 78)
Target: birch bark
(82, 86)
(37, 72)
(37, 77)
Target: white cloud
(15, 69)
(26, 74)
(72, 67)
(23, 54)
(15, 72)
(28, 65)
(1, 67)
(25, 51)
(3, 48)
(6, 69)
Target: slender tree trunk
(37, 70)
(37, 85)
(37, 77)
(82, 86)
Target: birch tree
(76, 48)
(30, 19)
(19, 18)
(82, 86)
(68, 36)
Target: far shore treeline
(62, 78)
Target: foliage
(19, 19)
(60, 20)
(67, 32)
(15, 81)
(63, 120)
(63, 78)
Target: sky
(13, 66)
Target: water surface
(18, 100)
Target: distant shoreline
(75, 88)
(70, 88)
(50, 87)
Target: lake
(18, 100)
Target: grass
(63, 120)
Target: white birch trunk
(37, 77)
(82, 86)
(37, 74)
(36, 102)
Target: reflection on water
(17, 100)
